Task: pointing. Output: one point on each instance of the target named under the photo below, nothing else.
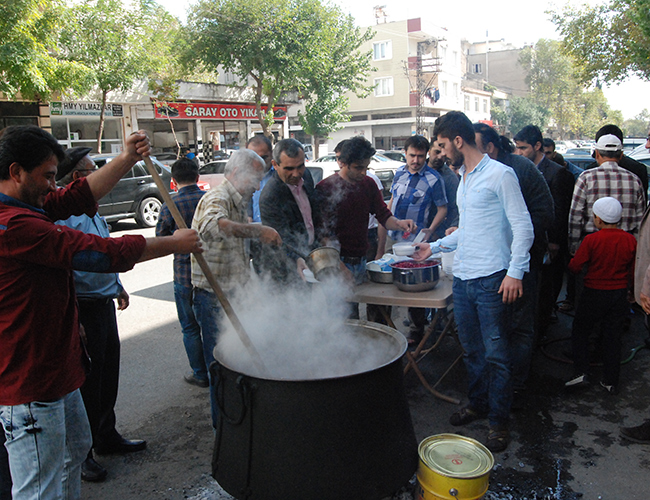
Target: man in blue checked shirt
(417, 193)
(492, 242)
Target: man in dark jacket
(530, 143)
(288, 204)
(539, 203)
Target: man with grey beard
(221, 220)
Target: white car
(382, 167)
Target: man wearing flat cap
(95, 295)
(607, 179)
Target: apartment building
(420, 69)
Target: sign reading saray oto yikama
(184, 111)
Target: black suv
(135, 195)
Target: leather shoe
(120, 445)
(93, 472)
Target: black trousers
(609, 309)
(100, 389)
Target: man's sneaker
(609, 388)
(578, 381)
(638, 434)
(465, 416)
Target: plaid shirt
(186, 200)
(226, 255)
(415, 196)
(606, 180)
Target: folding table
(440, 298)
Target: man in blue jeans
(197, 347)
(492, 242)
(221, 219)
(42, 360)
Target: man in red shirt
(348, 198)
(42, 360)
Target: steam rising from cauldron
(300, 333)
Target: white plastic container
(403, 249)
(447, 259)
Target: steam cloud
(301, 334)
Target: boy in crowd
(609, 254)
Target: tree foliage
(285, 45)
(637, 126)
(526, 111)
(116, 43)
(29, 65)
(610, 41)
(556, 85)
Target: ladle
(203, 264)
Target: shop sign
(204, 111)
(84, 109)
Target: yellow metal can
(453, 467)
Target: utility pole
(419, 108)
(421, 86)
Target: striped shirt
(415, 196)
(606, 180)
(226, 255)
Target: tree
(610, 41)
(117, 44)
(556, 85)
(281, 46)
(525, 111)
(28, 51)
(339, 68)
(323, 114)
(637, 126)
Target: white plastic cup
(447, 262)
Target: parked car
(211, 174)
(631, 143)
(378, 161)
(166, 158)
(562, 146)
(135, 195)
(393, 155)
(578, 151)
(579, 160)
(309, 151)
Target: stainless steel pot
(416, 279)
(380, 276)
(324, 262)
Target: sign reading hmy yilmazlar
(73, 108)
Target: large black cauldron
(340, 438)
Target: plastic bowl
(403, 249)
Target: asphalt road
(564, 446)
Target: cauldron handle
(244, 394)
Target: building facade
(419, 75)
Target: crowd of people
(517, 215)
